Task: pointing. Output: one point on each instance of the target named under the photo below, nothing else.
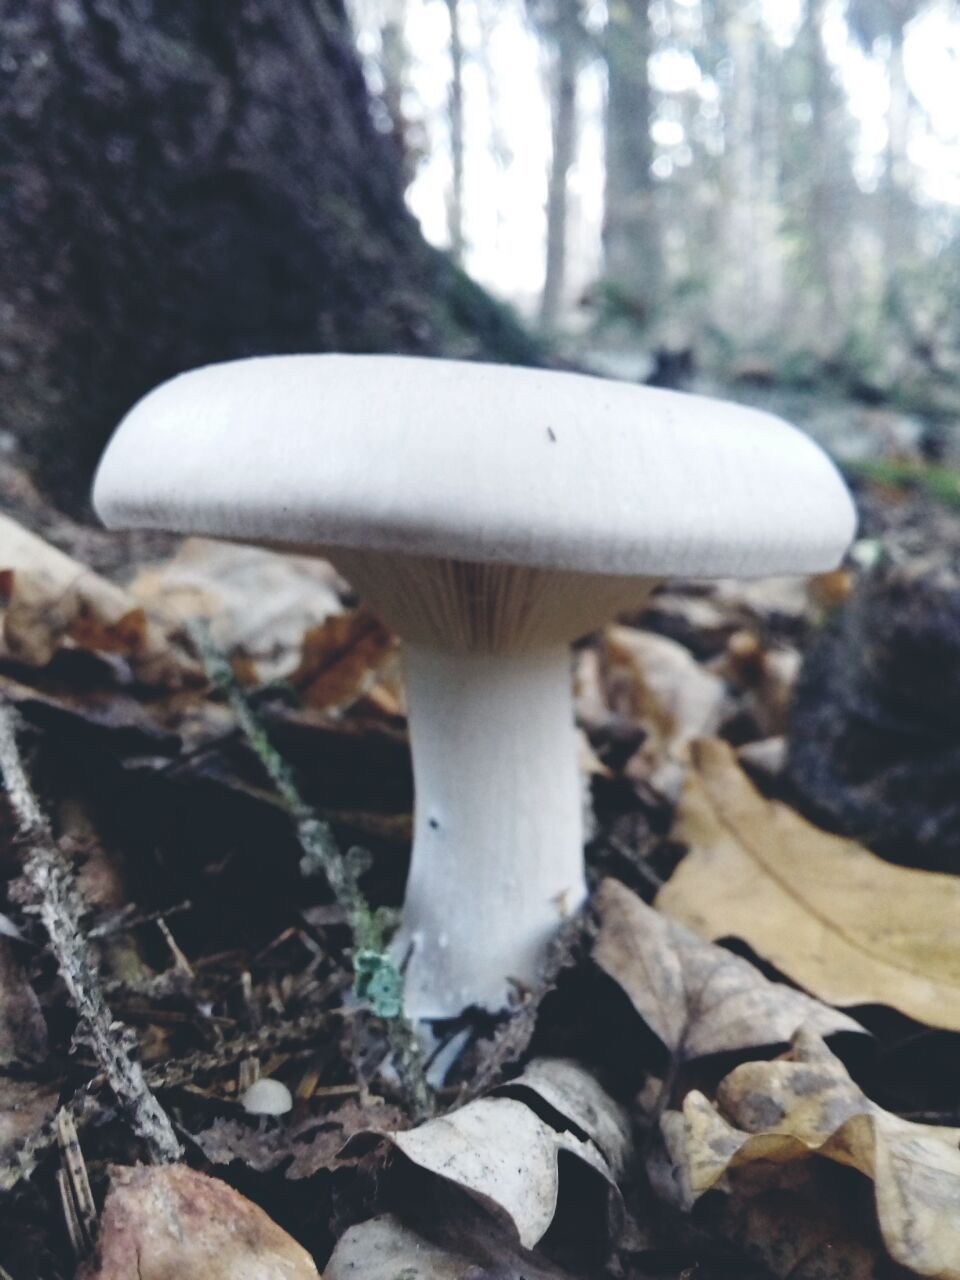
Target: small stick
(54, 897)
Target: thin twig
(377, 976)
(53, 896)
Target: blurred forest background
(764, 190)
(756, 197)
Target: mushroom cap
(475, 462)
(267, 1097)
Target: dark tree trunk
(186, 182)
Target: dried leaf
(340, 658)
(805, 1102)
(50, 599)
(659, 683)
(578, 1096)
(259, 603)
(504, 1156)
(309, 1145)
(384, 1249)
(698, 998)
(838, 920)
(170, 1223)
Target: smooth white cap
(267, 1097)
(475, 462)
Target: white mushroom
(492, 515)
(267, 1097)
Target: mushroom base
(497, 860)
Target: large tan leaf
(775, 1113)
(697, 997)
(838, 920)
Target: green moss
(939, 482)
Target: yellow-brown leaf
(842, 923)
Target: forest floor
(743, 1062)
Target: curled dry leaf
(835, 918)
(384, 1249)
(504, 1156)
(340, 658)
(776, 1113)
(170, 1223)
(578, 1096)
(697, 997)
(258, 603)
(659, 683)
(49, 599)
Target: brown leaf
(309, 1144)
(698, 998)
(170, 1223)
(775, 1113)
(258, 603)
(51, 599)
(340, 658)
(835, 918)
(658, 683)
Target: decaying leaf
(170, 1223)
(504, 1156)
(578, 1096)
(658, 683)
(258, 603)
(314, 1142)
(340, 658)
(780, 1112)
(697, 997)
(49, 599)
(384, 1249)
(835, 918)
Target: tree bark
(455, 108)
(185, 183)
(567, 38)
(631, 234)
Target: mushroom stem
(498, 833)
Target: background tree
(185, 183)
(633, 258)
(560, 23)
